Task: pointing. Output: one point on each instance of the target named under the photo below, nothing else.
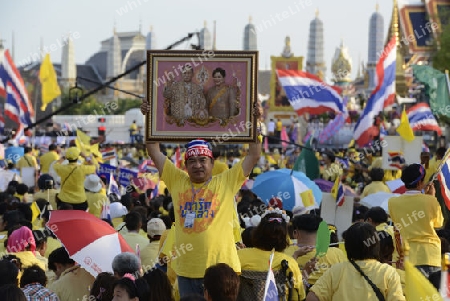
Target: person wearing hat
(95, 195)
(72, 179)
(203, 207)
(149, 254)
(416, 215)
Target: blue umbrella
(288, 187)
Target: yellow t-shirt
(254, 259)
(133, 129)
(46, 159)
(375, 186)
(343, 282)
(416, 216)
(390, 231)
(72, 183)
(52, 245)
(27, 258)
(27, 161)
(279, 126)
(219, 167)
(73, 284)
(333, 256)
(49, 195)
(96, 202)
(134, 239)
(149, 255)
(210, 239)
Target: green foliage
(91, 105)
(441, 60)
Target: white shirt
(271, 126)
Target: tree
(441, 60)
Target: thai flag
(444, 181)
(422, 119)
(113, 186)
(382, 96)
(396, 186)
(309, 94)
(340, 198)
(147, 166)
(270, 290)
(425, 148)
(17, 105)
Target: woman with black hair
(271, 235)
(363, 277)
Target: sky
(46, 21)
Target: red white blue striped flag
(444, 179)
(382, 96)
(309, 94)
(17, 106)
(422, 119)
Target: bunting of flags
(382, 96)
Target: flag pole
(36, 95)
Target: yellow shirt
(27, 161)
(343, 282)
(49, 195)
(47, 159)
(170, 272)
(416, 216)
(72, 183)
(254, 259)
(3, 237)
(134, 239)
(279, 126)
(375, 186)
(210, 240)
(73, 284)
(333, 256)
(133, 129)
(96, 202)
(149, 255)
(219, 167)
(52, 245)
(390, 231)
(27, 258)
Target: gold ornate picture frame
(278, 100)
(201, 94)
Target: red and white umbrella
(90, 242)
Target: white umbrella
(380, 199)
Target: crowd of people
(205, 237)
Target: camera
(48, 184)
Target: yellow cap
(257, 170)
(72, 153)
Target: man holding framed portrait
(203, 206)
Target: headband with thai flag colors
(196, 148)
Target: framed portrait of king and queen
(201, 94)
